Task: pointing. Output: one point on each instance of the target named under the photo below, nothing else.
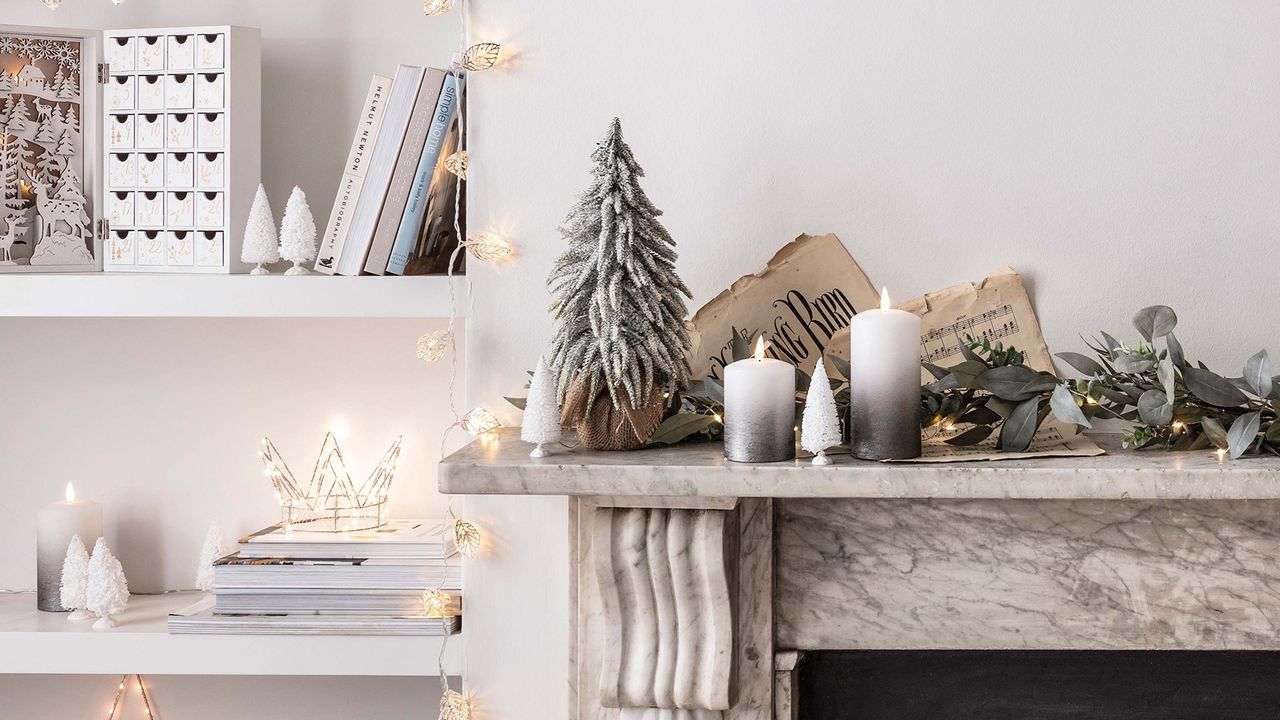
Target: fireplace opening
(1037, 685)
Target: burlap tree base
(601, 426)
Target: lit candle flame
(71, 493)
(884, 299)
(760, 348)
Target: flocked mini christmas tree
(619, 306)
(541, 425)
(75, 579)
(297, 233)
(215, 546)
(820, 428)
(260, 243)
(108, 592)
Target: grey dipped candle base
(885, 438)
(759, 442)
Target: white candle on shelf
(759, 409)
(55, 526)
(884, 383)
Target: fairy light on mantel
(120, 689)
(53, 4)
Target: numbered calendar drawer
(121, 54)
(181, 247)
(149, 131)
(182, 131)
(210, 131)
(120, 94)
(181, 92)
(210, 170)
(150, 53)
(210, 50)
(121, 131)
(150, 170)
(182, 52)
(179, 209)
(122, 247)
(122, 171)
(209, 210)
(179, 170)
(150, 246)
(148, 209)
(120, 208)
(150, 92)
(208, 248)
(209, 90)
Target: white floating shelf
(144, 295)
(47, 643)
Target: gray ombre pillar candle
(759, 409)
(56, 524)
(884, 383)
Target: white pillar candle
(884, 383)
(759, 409)
(55, 526)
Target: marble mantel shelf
(499, 464)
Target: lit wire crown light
(331, 501)
(431, 346)
(457, 164)
(490, 247)
(481, 56)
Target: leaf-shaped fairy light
(490, 247)
(481, 56)
(431, 346)
(466, 537)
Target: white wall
(1118, 154)
(159, 420)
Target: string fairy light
(457, 164)
(142, 689)
(436, 7)
(431, 347)
(481, 56)
(490, 247)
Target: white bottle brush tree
(820, 428)
(260, 244)
(297, 233)
(75, 579)
(541, 425)
(108, 593)
(618, 306)
(215, 546)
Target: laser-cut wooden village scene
(45, 218)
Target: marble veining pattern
(668, 619)
(1043, 574)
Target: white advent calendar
(133, 150)
(182, 127)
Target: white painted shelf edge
(155, 295)
(48, 643)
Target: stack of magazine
(305, 582)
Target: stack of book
(299, 582)
(394, 213)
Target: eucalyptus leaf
(936, 371)
(1164, 371)
(1257, 372)
(947, 383)
(1003, 408)
(1135, 364)
(1155, 321)
(972, 436)
(1082, 363)
(1017, 432)
(1063, 405)
(1014, 382)
(680, 426)
(969, 354)
(967, 372)
(714, 389)
(1242, 434)
(1215, 432)
(1213, 388)
(1115, 396)
(1273, 432)
(518, 402)
(1175, 350)
(1112, 345)
(983, 415)
(1154, 408)
(841, 365)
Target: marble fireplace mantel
(697, 582)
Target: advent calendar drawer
(210, 170)
(210, 50)
(209, 209)
(181, 91)
(182, 52)
(179, 209)
(120, 209)
(150, 170)
(120, 131)
(148, 209)
(148, 131)
(150, 53)
(179, 170)
(122, 251)
(122, 171)
(121, 54)
(209, 130)
(208, 248)
(182, 131)
(209, 90)
(120, 94)
(150, 92)
(150, 246)
(180, 245)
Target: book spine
(410, 225)
(402, 178)
(353, 175)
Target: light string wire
(146, 697)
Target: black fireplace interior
(1038, 685)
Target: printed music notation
(945, 341)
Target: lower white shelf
(34, 642)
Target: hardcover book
(353, 174)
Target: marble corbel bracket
(669, 628)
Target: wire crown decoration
(331, 501)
